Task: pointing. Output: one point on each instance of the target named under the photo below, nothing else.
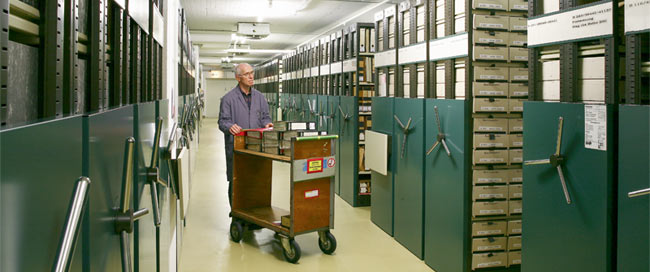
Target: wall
(215, 89)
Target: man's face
(247, 76)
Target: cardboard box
(490, 105)
(491, 22)
(516, 140)
(490, 4)
(491, 37)
(491, 53)
(591, 90)
(490, 176)
(515, 191)
(518, 90)
(551, 90)
(489, 228)
(516, 156)
(492, 140)
(517, 39)
(514, 258)
(514, 207)
(493, 89)
(514, 242)
(490, 192)
(489, 244)
(516, 104)
(515, 176)
(518, 5)
(516, 125)
(514, 227)
(591, 68)
(518, 54)
(518, 24)
(518, 74)
(490, 125)
(491, 73)
(551, 70)
(490, 157)
(492, 259)
(489, 208)
(254, 147)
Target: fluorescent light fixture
(259, 51)
(338, 25)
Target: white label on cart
(589, 22)
(636, 15)
(312, 194)
(596, 127)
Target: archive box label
(489, 228)
(489, 244)
(490, 208)
(449, 47)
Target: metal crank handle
(639, 193)
(444, 144)
(564, 188)
(535, 162)
(433, 147)
(155, 204)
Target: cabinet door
(558, 236)
(409, 174)
(633, 175)
(447, 187)
(381, 197)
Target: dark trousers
(230, 193)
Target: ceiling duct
(253, 31)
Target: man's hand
(269, 125)
(235, 129)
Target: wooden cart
(313, 166)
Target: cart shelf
(265, 217)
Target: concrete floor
(362, 246)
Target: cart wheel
(236, 231)
(329, 245)
(293, 254)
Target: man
(243, 107)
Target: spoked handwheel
(236, 231)
(290, 250)
(326, 242)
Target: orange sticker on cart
(312, 194)
(314, 165)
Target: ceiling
(292, 22)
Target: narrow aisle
(362, 246)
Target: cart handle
(313, 138)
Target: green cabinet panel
(409, 174)
(333, 128)
(144, 125)
(447, 187)
(381, 197)
(633, 175)
(313, 100)
(323, 110)
(40, 163)
(106, 135)
(558, 236)
(349, 148)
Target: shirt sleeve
(225, 115)
(266, 118)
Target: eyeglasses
(248, 74)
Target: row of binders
(367, 40)
(277, 140)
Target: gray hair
(239, 67)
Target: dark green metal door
(409, 189)
(348, 116)
(381, 197)
(558, 236)
(144, 126)
(103, 163)
(633, 175)
(447, 187)
(40, 164)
